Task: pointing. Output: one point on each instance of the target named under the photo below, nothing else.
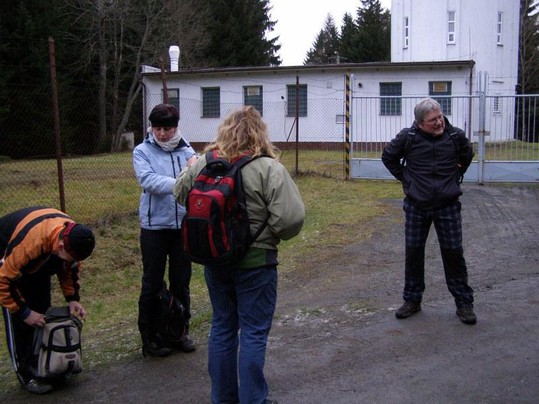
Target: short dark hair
(164, 115)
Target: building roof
(151, 71)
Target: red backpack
(216, 227)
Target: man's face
(63, 254)
(433, 123)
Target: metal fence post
(56, 120)
(347, 127)
(481, 135)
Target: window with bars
(211, 102)
(393, 105)
(499, 29)
(496, 106)
(406, 32)
(173, 97)
(441, 92)
(291, 98)
(451, 27)
(252, 95)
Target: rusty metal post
(164, 80)
(56, 121)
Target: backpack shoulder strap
(410, 139)
(408, 143)
(241, 162)
(244, 160)
(453, 136)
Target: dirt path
(336, 340)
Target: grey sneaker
(466, 315)
(36, 386)
(408, 309)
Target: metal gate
(504, 131)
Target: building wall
(475, 36)
(325, 120)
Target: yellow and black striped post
(348, 94)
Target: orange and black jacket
(28, 238)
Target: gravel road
(335, 337)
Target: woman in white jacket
(157, 162)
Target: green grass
(95, 187)
(102, 192)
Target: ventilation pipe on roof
(174, 54)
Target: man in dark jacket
(429, 159)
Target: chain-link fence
(96, 185)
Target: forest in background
(100, 45)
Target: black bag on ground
(171, 321)
(57, 346)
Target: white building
(486, 31)
(206, 96)
(440, 48)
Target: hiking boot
(36, 386)
(155, 350)
(466, 315)
(185, 344)
(408, 309)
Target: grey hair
(425, 106)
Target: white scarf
(170, 144)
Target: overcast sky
(300, 21)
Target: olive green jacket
(270, 193)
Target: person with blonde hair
(244, 294)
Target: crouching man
(36, 243)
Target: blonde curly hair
(243, 131)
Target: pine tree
(528, 66)
(374, 32)
(365, 39)
(348, 39)
(238, 34)
(325, 48)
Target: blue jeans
(242, 300)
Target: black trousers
(158, 247)
(448, 225)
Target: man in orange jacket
(36, 243)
